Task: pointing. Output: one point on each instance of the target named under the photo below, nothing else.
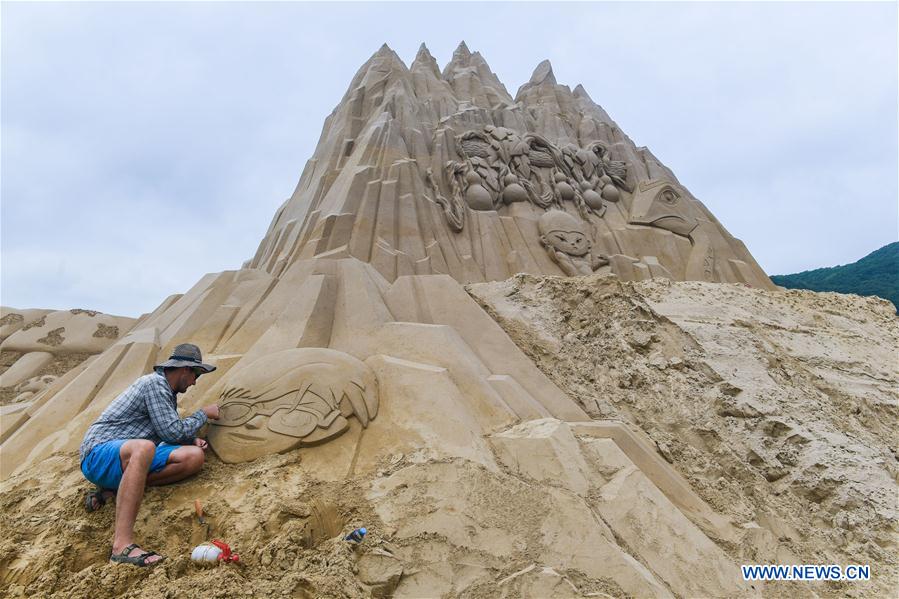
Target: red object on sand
(226, 555)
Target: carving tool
(199, 509)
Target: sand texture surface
(778, 408)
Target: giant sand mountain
(479, 432)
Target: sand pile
(437, 528)
(779, 407)
(285, 527)
(776, 407)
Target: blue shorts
(103, 465)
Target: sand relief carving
(499, 167)
(289, 399)
(54, 337)
(36, 323)
(11, 318)
(106, 331)
(660, 204)
(665, 205)
(592, 165)
(453, 209)
(32, 387)
(568, 243)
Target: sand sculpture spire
(423, 172)
(461, 57)
(543, 72)
(424, 59)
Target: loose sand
(778, 407)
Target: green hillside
(875, 274)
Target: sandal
(136, 560)
(96, 499)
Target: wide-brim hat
(186, 354)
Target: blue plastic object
(356, 536)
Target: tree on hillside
(875, 274)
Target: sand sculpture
(291, 398)
(568, 244)
(423, 172)
(349, 333)
(39, 346)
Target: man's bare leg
(183, 462)
(136, 456)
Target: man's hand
(201, 443)
(212, 411)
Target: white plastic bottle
(205, 553)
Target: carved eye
(295, 423)
(669, 197)
(234, 411)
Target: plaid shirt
(146, 410)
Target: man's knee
(137, 452)
(141, 449)
(194, 457)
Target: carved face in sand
(660, 204)
(564, 233)
(290, 399)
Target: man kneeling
(140, 440)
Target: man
(122, 449)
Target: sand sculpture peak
(423, 172)
(543, 72)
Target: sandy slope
(780, 409)
(267, 510)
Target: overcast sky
(144, 145)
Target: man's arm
(164, 417)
